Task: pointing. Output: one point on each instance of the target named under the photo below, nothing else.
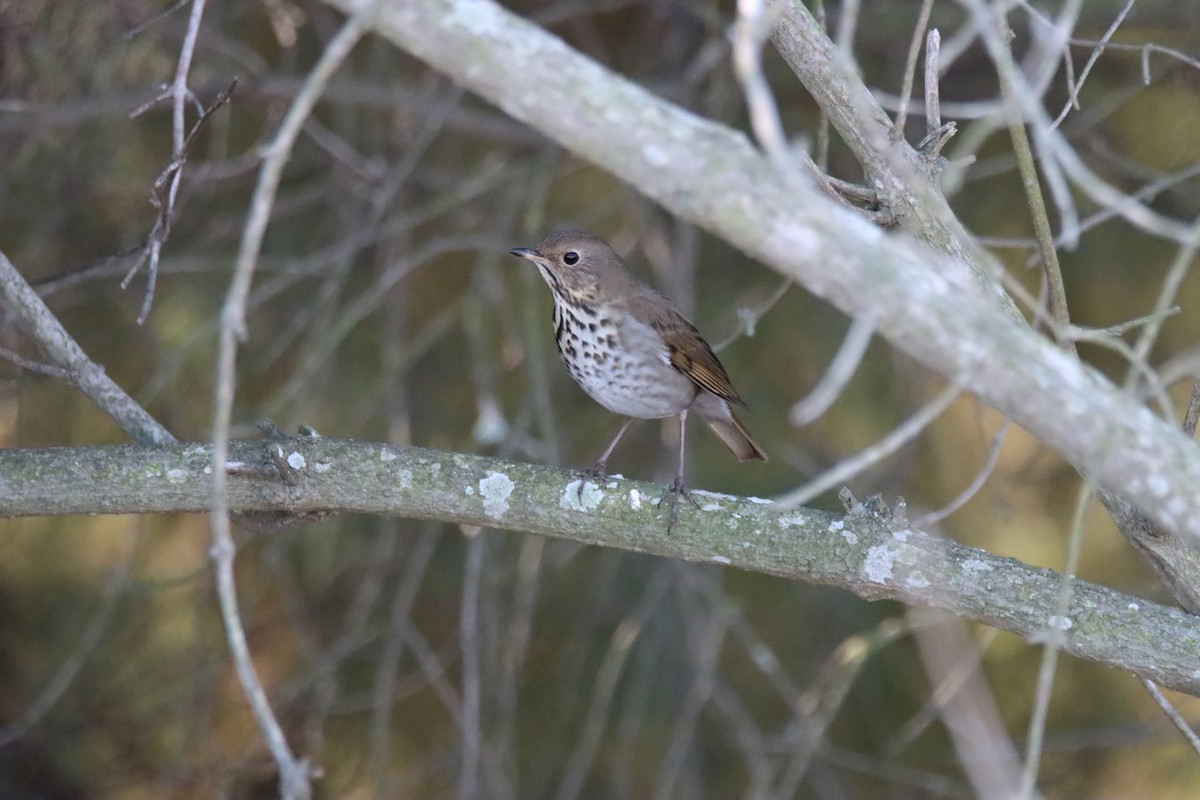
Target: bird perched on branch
(632, 350)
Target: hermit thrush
(631, 349)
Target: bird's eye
(570, 258)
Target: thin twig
(162, 197)
(293, 772)
(1097, 50)
(600, 702)
(153, 19)
(165, 202)
(989, 465)
(905, 432)
(1054, 639)
(65, 353)
(1173, 715)
(1167, 296)
(806, 732)
(910, 68)
(841, 370)
(753, 25)
(35, 366)
(471, 724)
(1193, 410)
(749, 317)
(1059, 153)
(969, 712)
(61, 680)
(1051, 270)
(933, 96)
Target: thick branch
(871, 557)
(927, 304)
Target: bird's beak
(526, 252)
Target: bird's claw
(677, 490)
(593, 474)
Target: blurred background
(419, 660)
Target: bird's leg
(597, 471)
(676, 489)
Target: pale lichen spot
(711, 507)
(1176, 506)
(793, 521)
(575, 499)
(836, 525)
(655, 156)
(713, 495)
(404, 478)
(793, 243)
(901, 536)
(296, 460)
(1134, 607)
(1158, 485)
(387, 455)
(850, 536)
(495, 489)
(974, 565)
(878, 564)
(1059, 622)
(635, 499)
(721, 560)
(762, 501)
(917, 581)
(176, 475)
(479, 19)
(322, 466)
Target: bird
(632, 350)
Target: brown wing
(686, 348)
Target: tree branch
(868, 555)
(82, 373)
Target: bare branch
(910, 68)
(903, 433)
(83, 373)
(293, 773)
(859, 552)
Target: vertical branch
(294, 773)
(910, 69)
(933, 96)
(179, 142)
(1056, 292)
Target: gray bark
(872, 556)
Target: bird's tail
(735, 436)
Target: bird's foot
(593, 474)
(677, 490)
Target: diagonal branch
(81, 372)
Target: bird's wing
(686, 349)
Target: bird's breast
(622, 364)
